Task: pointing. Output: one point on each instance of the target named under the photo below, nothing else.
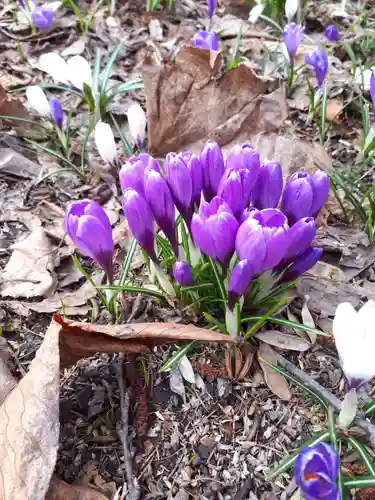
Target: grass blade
(176, 356)
(360, 482)
(108, 67)
(364, 455)
(135, 84)
(262, 319)
(127, 146)
(133, 289)
(286, 322)
(288, 462)
(370, 409)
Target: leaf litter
(210, 431)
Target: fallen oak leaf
(283, 340)
(79, 340)
(29, 426)
(275, 381)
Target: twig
(327, 395)
(133, 486)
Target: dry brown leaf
(13, 163)
(8, 382)
(189, 102)
(12, 107)
(59, 490)
(333, 111)
(29, 426)
(79, 340)
(275, 381)
(283, 340)
(308, 320)
(29, 271)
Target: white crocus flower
(38, 100)
(291, 7)
(137, 124)
(256, 11)
(76, 71)
(105, 142)
(354, 334)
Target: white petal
(345, 330)
(362, 77)
(38, 100)
(186, 370)
(55, 66)
(105, 142)
(255, 12)
(137, 123)
(54, 6)
(79, 71)
(291, 7)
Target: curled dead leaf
(29, 426)
(283, 340)
(79, 340)
(275, 381)
(59, 490)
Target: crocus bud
(57, 113)
(291, 7)
(180, 183)
(105, 143)
(207, 40)
(182, 273)
(133, 171)
(79, 72)
(235, 188)
(318, 60)
(269, 186)
(293, 35)
(211, 6)
(300, 237)
(213, 168)
(37, 99)
(355, 342)
(332, 33)
(245, 158)
(262, 239)
(139, 217)
(55, 66)
(196, 173)
(304, 195)
(160, 201)
(256, 11)
(302, 263)
(88, 226)
(42, 17)
(214, 229)
(239, 280)
(137, 125)
(316, 472)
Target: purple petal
(43, 18)
(268, 188)
(182, 273)
(300, 237)
(57, 113)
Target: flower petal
(38, 100)
(55, 66)
(79, 72)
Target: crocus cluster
(42, 16)
(51, 108)
(229, 206)
(316, 472)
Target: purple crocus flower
(133, 171)
(88, 226)
(196, 173)
(207, 40)
(245, 158)
(160, 201)
(269, 186)
(316, 472)
(263, 239)
(332, 33)
(214, 229)
(180, 184)
(302, 263)
(318, 60)
(139, 217)
(57, 113)
(213, 168)
(235, 188)
(293, 35)
(211, 6)
(300, 237)
(239, 281)
(304, 195)
(182, 273)
(43, 17)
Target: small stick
(123, 431)
(327, 395)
